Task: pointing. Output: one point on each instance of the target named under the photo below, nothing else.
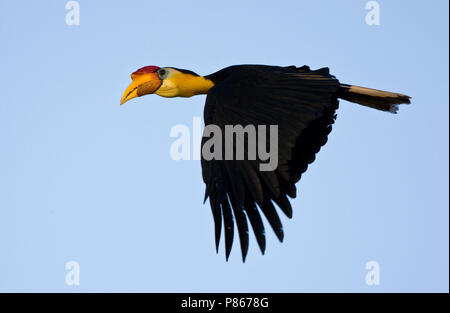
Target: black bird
(300, 101)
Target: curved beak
(143, 84)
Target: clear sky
(84, 179)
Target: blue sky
(84, 179)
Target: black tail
(377, 99)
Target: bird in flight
(301, 102)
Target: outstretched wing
(302, 103)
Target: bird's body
(299, 101)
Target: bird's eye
(162, 73)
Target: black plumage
(302, 103)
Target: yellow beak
(143, 84)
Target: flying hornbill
(301, 101)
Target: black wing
(302, 103)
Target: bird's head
(166, 82)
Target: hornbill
(301, 101)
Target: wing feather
(302, 103)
